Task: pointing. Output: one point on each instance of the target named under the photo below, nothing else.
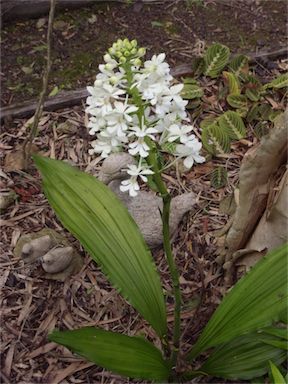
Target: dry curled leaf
(15, 160)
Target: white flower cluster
(133, 104)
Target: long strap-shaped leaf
(244, 357)
(95, 216)
(254, 302)
(129, 356)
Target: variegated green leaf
(261, 129)
(265, 111)
(216, 57)
(239, 65)
(219, 178)
(215, 140)
(280, 82)
(252, 94)
(198, 66)
(233, 83)
(237, 101)
(255, 302)
(128, 356)
(253, 113)
(207, 121)
(233, 124)
(191, 91)
(95, 216)
(243, 358)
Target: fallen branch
(70, 98)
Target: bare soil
(181, 28)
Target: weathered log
(70, 98)
(13, 9)
(65, 99)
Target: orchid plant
(136, 106)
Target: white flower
(157, 65)
(139, 147)
(120, 117)
(96, 124)
(102, 147)
(130, 185)
(176, 132)
(139, 171)
(191, 151)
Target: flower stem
(166, 197)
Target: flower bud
(111, 51)
(134, 43)
(126, 53)
(141, 52)
(118, 54)
(122, 60)
(107, 58)
(113, 80)
(109, 67)
(137, 62)
(133, 51)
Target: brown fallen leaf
(15, 160)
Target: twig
(28, 142)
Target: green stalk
(166, 198)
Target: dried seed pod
(36, 248)
(57, 259)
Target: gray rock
(146, 206)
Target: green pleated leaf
(243, 358)
(215, 140)
(253, 113)
(233, 83)
(264, 111)
(198, 66)
(216, 57)
(276, 374)
(261, 129)
(219, 177)
(280, 82)
(207, 121)
(239, 65)
(237, 101)
(191, 91)
(232, 123)
(95, 216)
(252, 94)
(132, 357)
(258, 299)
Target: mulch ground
(32, 306)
